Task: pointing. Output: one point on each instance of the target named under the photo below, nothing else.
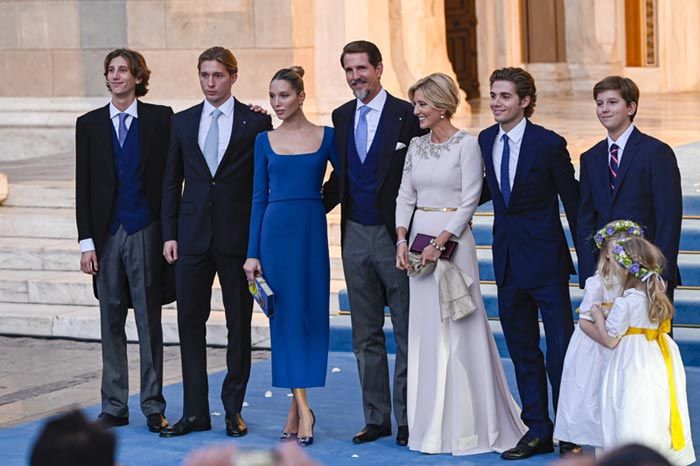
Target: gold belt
(437, 209)
(657, 334)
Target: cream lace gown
(458, 398)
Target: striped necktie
(614, 165)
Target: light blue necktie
(361, 133)
(211, 143)
(505, 170)
(122, 128)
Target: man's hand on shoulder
(170, 251)
(88, 262)
(258, 109)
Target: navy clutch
(263, 295)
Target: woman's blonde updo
(293, 75)
(439, 90)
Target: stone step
(38, 222)
(75, 289)
(83, 322)
(64, 255)
(59, 194)
(686, 303)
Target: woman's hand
(252, 269)
(402, 256)
(430, 254)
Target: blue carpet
(337, 407)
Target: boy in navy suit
(628, 175)
(527, 170)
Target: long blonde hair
(649, 262)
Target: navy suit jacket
(399, 125)
(212, 211)
(528, 235)
(648, 192)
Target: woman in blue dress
(288, 245)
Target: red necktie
(614, 165)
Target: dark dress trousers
(118, 198)
(647, 191)
(367, 195)
(210, 219)
(532, 264)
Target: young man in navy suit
(121, 150)
(205, 230)
(372, 136)
(628, 175)
(527, 170)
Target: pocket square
(400, 145)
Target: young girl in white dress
(578, 411)
(643, 397)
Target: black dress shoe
(527, 448)
(568, 449)
(107, 421)
(236, 426)
(402, 436)
(185, 426)
(156, 422)
(371, 432)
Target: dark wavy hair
(524, 84)
(137, 67)
(362, 46)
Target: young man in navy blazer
(205, 230)
(628, 175)
(527, 170)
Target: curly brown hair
(524, 84)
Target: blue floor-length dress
(288, 233)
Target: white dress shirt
(515, 138)
(377, 105)
(88, 244)
(621, 143)
(225, 125)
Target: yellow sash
(677, 438)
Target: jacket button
(213, 183)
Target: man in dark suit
(121, 151)
(628, 175)
(205, 229)
(372, 135)
(527, 169)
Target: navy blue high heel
(304, 441)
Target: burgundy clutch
(422, 241)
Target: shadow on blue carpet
(339, 416)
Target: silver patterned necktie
(211, 143)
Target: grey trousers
(130, 269)
(369, 261)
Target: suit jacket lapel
(390, 122)
(104, 141)
(240, 124)
(601, 172)
(526, 157)
(631, 149)
(146, 129)
(487, 154)
(342, 133)
(195, 118)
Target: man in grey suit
(372, 135)
(121, 150)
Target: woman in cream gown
(458, 399)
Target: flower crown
(634, 267)
(617, 226)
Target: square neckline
(300, 154)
